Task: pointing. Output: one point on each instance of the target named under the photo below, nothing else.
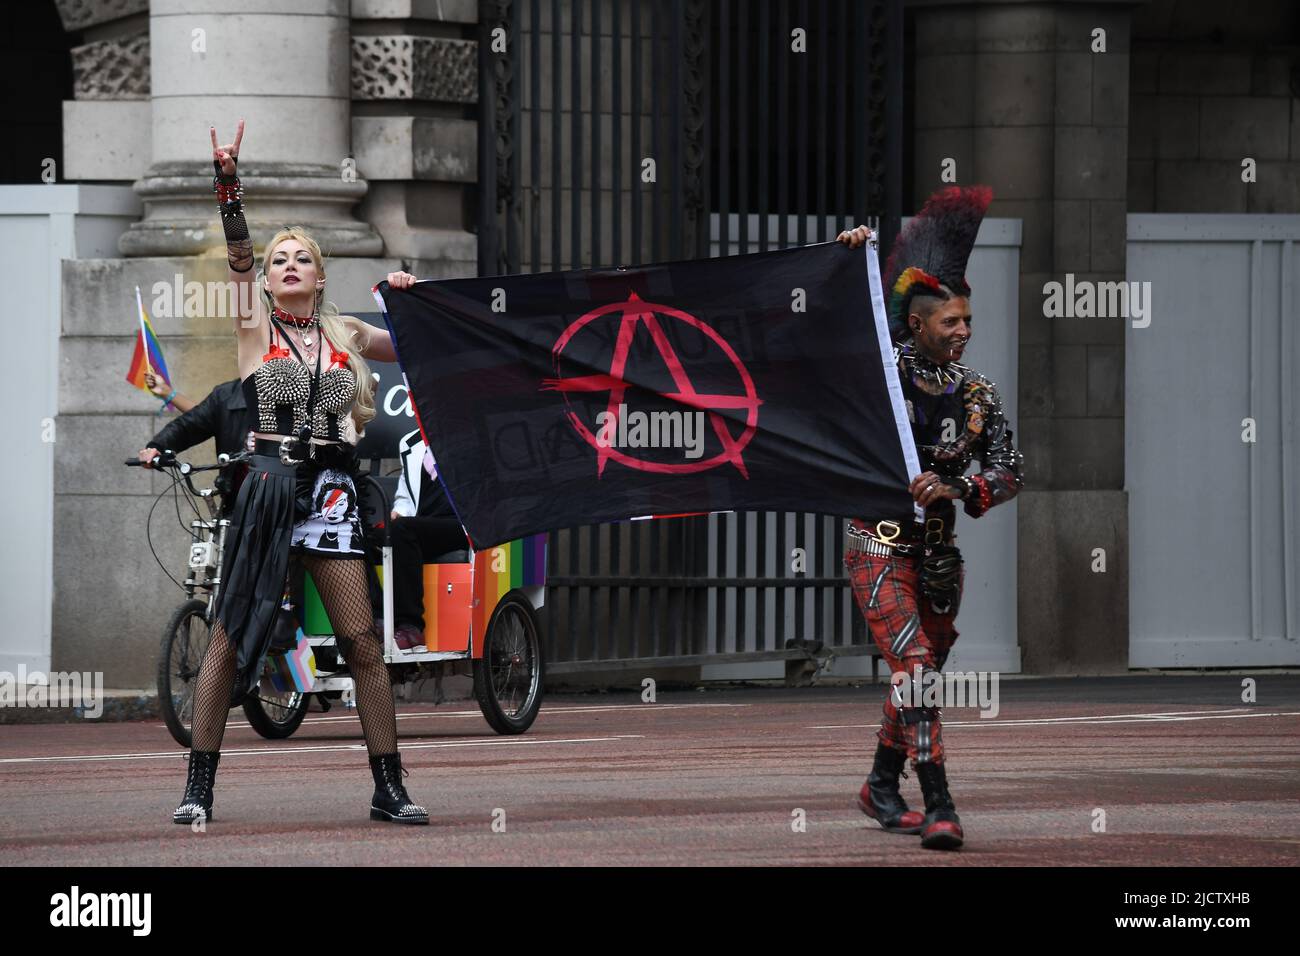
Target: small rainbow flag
(295, 669)
(148, 355)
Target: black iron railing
(757, 141)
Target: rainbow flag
(295, 669)
(515, 564)
(148, 355)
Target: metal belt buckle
(894, 531)
(934, 531)
(285, 458)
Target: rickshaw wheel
(508, 679)
(275, 714)
(184, 643)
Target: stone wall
(1212, 87)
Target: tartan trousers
(908, 632)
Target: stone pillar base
(181, 211)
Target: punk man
(907, 576)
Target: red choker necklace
(288, 318)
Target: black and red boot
(880, 799)
(942, 829)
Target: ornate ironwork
(507, 104)
(695, 95)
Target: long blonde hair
(332, 324)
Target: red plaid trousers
(908, 632)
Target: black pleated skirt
(256, 564)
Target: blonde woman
(303, 371)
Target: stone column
(284, 67)
(1017, 96)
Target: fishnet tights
(342, 587)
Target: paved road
(1183, 770)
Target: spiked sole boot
(390, 801)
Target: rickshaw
(480, 611)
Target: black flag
(743, 383)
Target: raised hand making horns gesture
(225, 157)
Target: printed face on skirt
(337, 504)
(334, 526)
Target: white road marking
(545, 711)
(1129, 720)
(1170, 717)
(332, 748)
(1168, 713)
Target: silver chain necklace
(305, 339)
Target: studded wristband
(230, 195)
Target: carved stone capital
(79, 14)
(414, 68)
(112, 69)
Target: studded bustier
(277, 394)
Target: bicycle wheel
(508, 679)
(275, 714)
(184, 643)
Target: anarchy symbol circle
(635, 312)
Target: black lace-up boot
(880, 798)
(197, 802)
(942, 830)
(390, 801)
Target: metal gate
(622, 132)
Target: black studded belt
(291, 451)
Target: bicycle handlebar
(167, 459)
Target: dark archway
(36, 52)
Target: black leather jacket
(223, 415)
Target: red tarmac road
(1184, 771)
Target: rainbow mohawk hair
(932, 251)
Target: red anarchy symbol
(636, 311)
